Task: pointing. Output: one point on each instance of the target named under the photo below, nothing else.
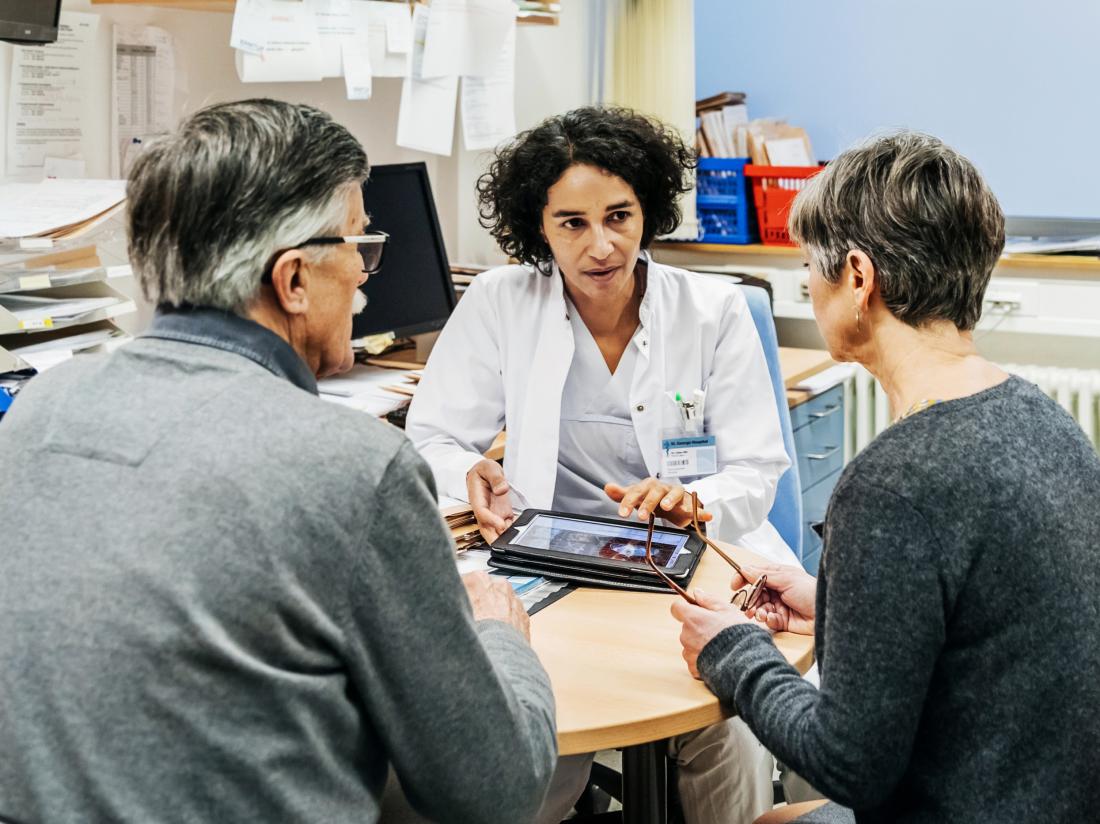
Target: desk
(614, 660)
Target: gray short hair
(920, 211)
(210, 205)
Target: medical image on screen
(615, 543)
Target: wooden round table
(620, 681)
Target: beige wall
(552, 75)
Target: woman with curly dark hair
(624, 384)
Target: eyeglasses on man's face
(371, 247)
(744, 599)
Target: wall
(1011, 84)
(553, 71)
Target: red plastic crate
(773, 190)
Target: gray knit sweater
(958, 624)
(225, 600)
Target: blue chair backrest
(786, 511)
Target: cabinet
(818, 425)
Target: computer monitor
(29, 21)
(413, 292)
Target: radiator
(1076, 390)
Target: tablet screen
(617, 543)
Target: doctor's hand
(487, 491)
(703, 622)
(788, 600)
(673, 503)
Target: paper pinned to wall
(142, 89)
(489, 102)
(427, 116)
(357, 74)
(334, 25)
(250, 21)
(374, 20)
(464, 37)
(399, 32)
(71, 168)
(293, 48)
(48, 85)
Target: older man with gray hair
(222, 599)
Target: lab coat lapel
(537, 462)
(647, 389)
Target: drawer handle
(829, 410)
(820, 456)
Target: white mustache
(358, 303)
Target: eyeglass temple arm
(708, 541)
(683, 593)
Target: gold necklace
(919, 406)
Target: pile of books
(723, 129)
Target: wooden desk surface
(615, 662)
(798, 364)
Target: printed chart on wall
(48, 86)
(142, 85)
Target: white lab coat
(502, 360)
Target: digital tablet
(598, 543)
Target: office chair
(786, 511)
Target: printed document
(426, 118)
(489, 102)
(464, 37)
(334, 25)
(48, 86)
(292, 50)
(143, 83)
(357, 76)
(379, 24)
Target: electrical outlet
(1019, 298)
(1003, 301)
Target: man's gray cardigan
(223, 599)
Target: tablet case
(644, 579)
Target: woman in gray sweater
(957, 608)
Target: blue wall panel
(1013, 85)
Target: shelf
(1061, 263)
(527, 18)
(734, 249)
(190, 5)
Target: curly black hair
(644, 152)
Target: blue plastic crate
(724, 201)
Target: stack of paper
(368, 388)
(463, 525)
(31, 309)
(58, 209)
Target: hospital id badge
(689, 456)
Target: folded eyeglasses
(744, 599)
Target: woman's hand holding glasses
(786, 601)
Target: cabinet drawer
(829, 404)
(815, 502)
(810, 562)
(820, 448)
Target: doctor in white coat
(579, 352)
